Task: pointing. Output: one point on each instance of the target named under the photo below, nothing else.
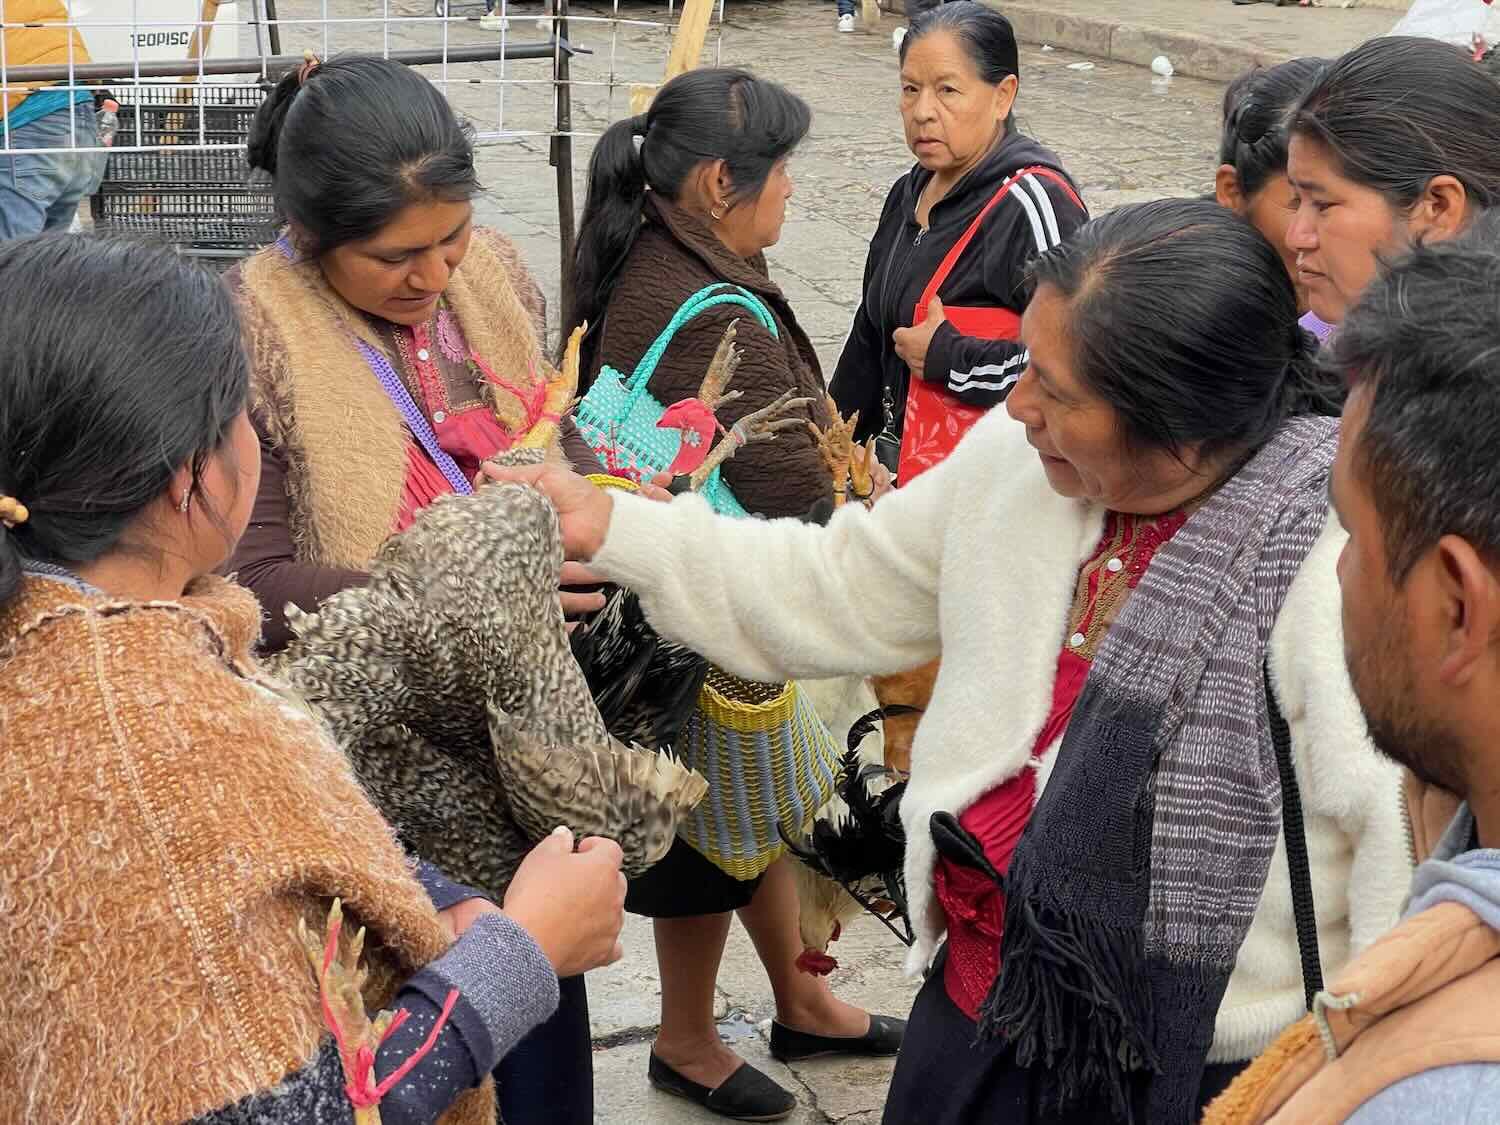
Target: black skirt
(945, 1076)
(548, 1077)
(685, 884)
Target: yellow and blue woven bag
(770, 763)
(769, 759)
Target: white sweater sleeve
(781, 599)
(1351, 817)
(1343, 779)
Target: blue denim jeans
(41, 191)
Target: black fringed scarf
(1142, 865)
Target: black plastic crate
(202, 200)
(224, 167)
(232, 221)
(185, 115)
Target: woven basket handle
(705, 298)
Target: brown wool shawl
(321, 405)
(169, 818)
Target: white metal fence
(485, 71)
(188, 75)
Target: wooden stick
(198, 44)
(687, 48)
(692, 32)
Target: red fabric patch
(974, 905)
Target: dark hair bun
(154, 401)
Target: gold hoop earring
(716, 214)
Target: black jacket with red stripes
(1036, 215)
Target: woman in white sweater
(1116, 585)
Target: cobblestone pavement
(1124, 136)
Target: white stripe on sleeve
(1004, 384)
(1044, 204)
(1038, 231)
(1009, 372)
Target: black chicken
(861, 848)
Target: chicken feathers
(449, 681)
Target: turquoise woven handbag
(618, 416)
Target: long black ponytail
(714, 113)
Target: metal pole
(562, 160)
(275, 26)
(170, 68)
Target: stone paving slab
(623, 1005)
(625, 998)
(622, 1094)
(1211, 39)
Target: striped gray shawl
(1143, 863)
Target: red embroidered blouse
(444, 376)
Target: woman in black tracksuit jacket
(959, 81)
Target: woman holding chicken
(1095, 865)
(393, 346)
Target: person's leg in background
(88, 168)
(493, 19)
(804, 1002)
(42, 191)
(847, 14)
(688, 953)
(548, 1077)
(22, 210)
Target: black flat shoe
(881, 1041)
(746, 1095)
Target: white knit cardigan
(977, 559)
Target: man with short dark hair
(1410, 1031)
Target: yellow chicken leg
(341, 982)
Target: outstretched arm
(774, 599)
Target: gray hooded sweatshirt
(1468, 1093)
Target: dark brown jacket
(675, 256)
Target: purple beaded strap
(396, 391)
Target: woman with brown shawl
(393, 348)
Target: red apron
(936, 420)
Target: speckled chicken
(449, 681)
